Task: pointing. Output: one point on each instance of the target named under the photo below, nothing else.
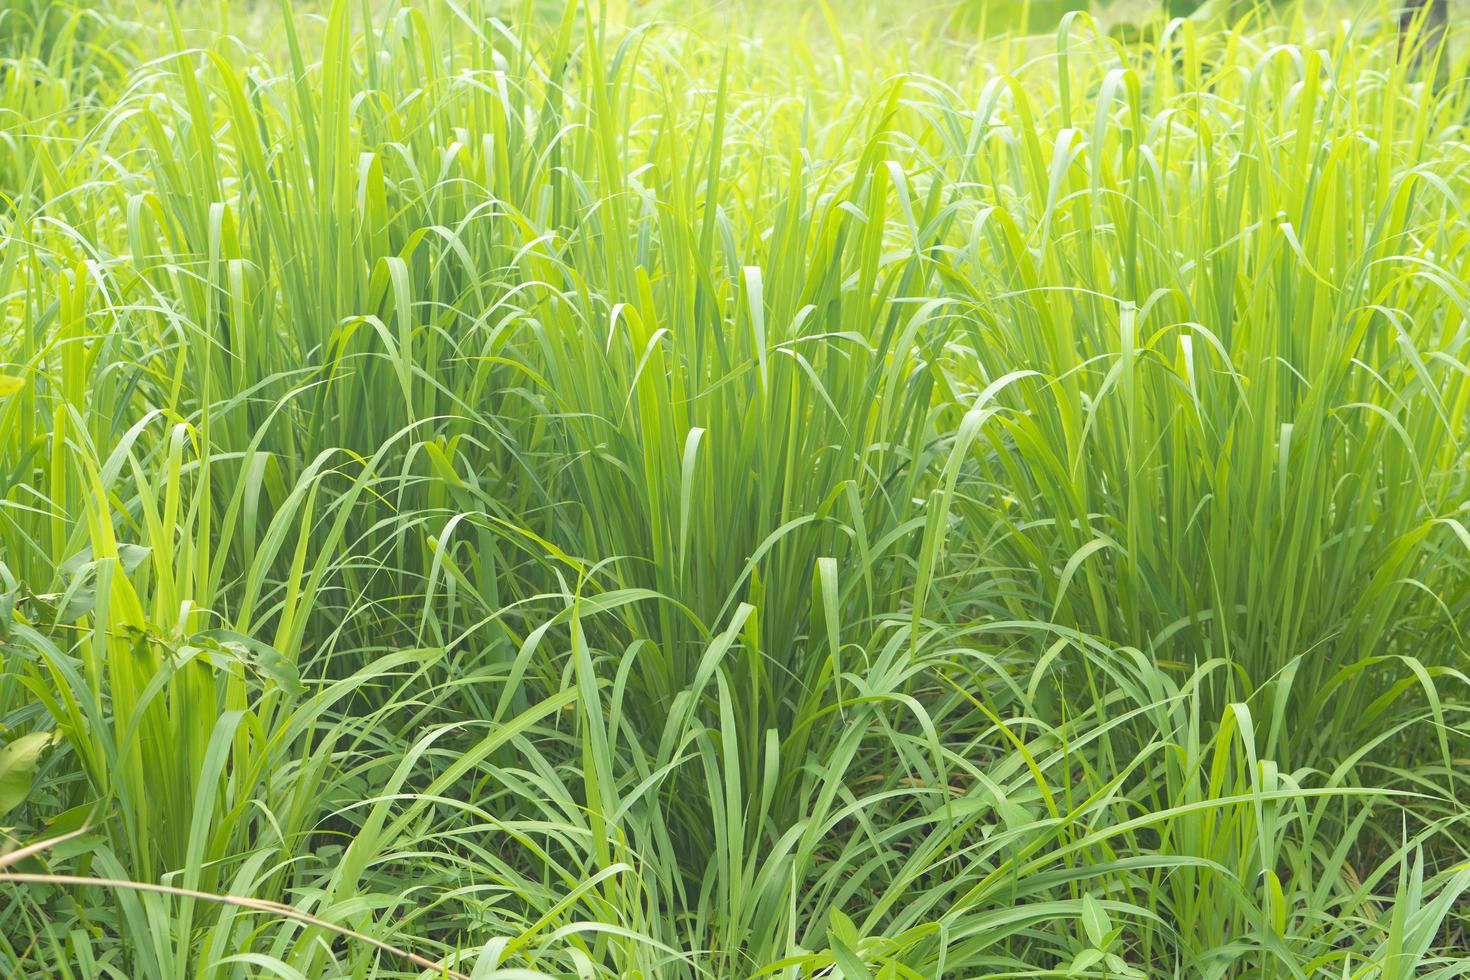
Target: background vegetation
(522, 490)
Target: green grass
(517, 491)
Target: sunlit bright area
(707, 489)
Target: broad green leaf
(18, 761)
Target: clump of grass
(600, 494)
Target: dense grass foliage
(584, 493)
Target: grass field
(728, 490)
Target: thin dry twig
(254, 904)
